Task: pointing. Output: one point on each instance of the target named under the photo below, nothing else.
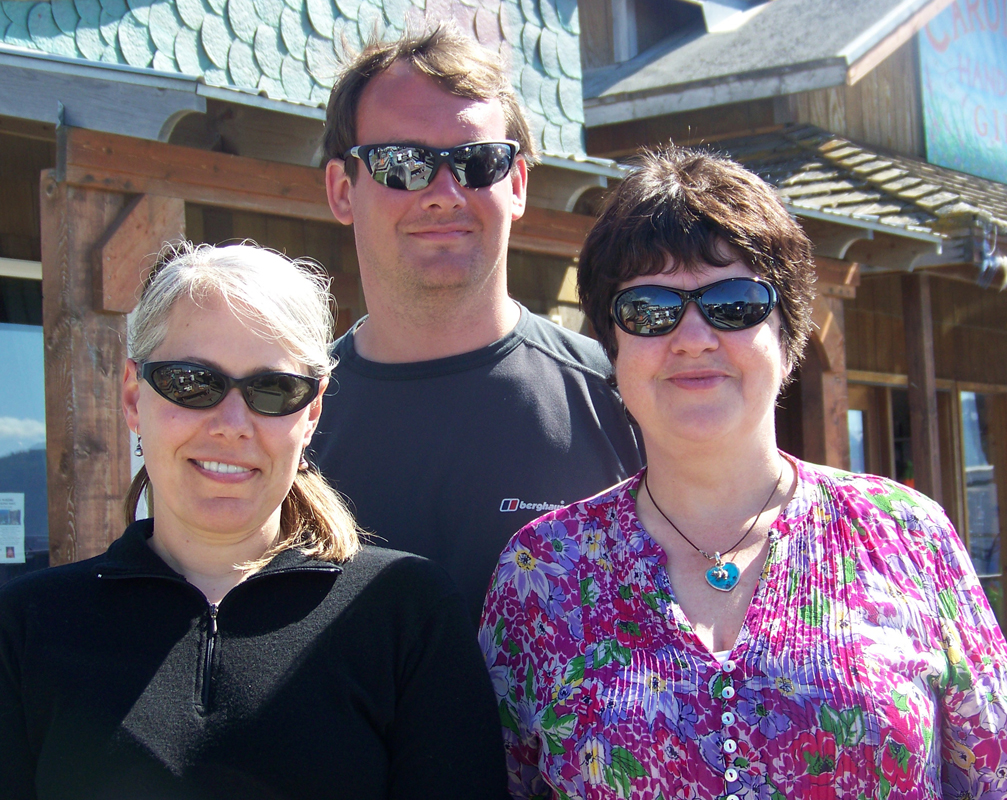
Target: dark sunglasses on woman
(274, 394)
(412, 166)
(732, 304)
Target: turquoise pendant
(723, 576)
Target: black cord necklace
(723, 575)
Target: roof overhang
(845, 65)
(115, 98)
(615, 108)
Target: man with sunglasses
(455, 416)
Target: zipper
(213, 609)
(211, 641)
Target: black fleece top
(309, 680)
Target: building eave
(616, 108)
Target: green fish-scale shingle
(287, 49)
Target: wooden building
(124, 123)
(127, 124)
(835, 103)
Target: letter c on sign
(939, 45)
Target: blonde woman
(241, 642)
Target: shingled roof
(820, 172)
(286, 49)
(776, 48)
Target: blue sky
(22, 402)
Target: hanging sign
(963, 77)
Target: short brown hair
(456, 62)
(687, 205)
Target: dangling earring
(138, 450)
(304, 463)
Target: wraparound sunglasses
(732, 304)
(274, 394)
(412, 166)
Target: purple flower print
(595, 754)
(565, 550)
(529, 574)
(552, 604)
(753, 710)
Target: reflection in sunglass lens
(737, 304)
(649, 311)
(277, 393)
(196, 386)
(482, 165)
(189, 386)
(729, 305)
(412, 167)
(400, 166)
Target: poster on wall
(11, 527)
(963, 72)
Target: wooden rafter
(135, 166)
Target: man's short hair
(456, 62)
(687, 205)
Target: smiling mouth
(442, 232)
(224, 469)
(700, 380)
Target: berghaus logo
(514, 503)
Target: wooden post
(923, 421)
(824, 401)
(128, 250)
(87, 441)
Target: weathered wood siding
(970, 330)
(330, 245)
(882, 109)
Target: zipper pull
(213, 619)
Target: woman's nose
(693, 334)
(232, 414)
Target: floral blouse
(869, 664)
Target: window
(981, 452)
(858, 453)
(24, 530)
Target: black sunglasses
(732, 304)
(274, 394)
(413, 166)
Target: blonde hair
(289, 301)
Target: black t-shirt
(448, 458)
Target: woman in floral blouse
(733, 622)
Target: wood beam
(544, 230)
(836, 278)
(138, 166)
(128, 250)
(135, 166)
(87, 441)
(828, 336)
(923, 421)
(824, 400)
